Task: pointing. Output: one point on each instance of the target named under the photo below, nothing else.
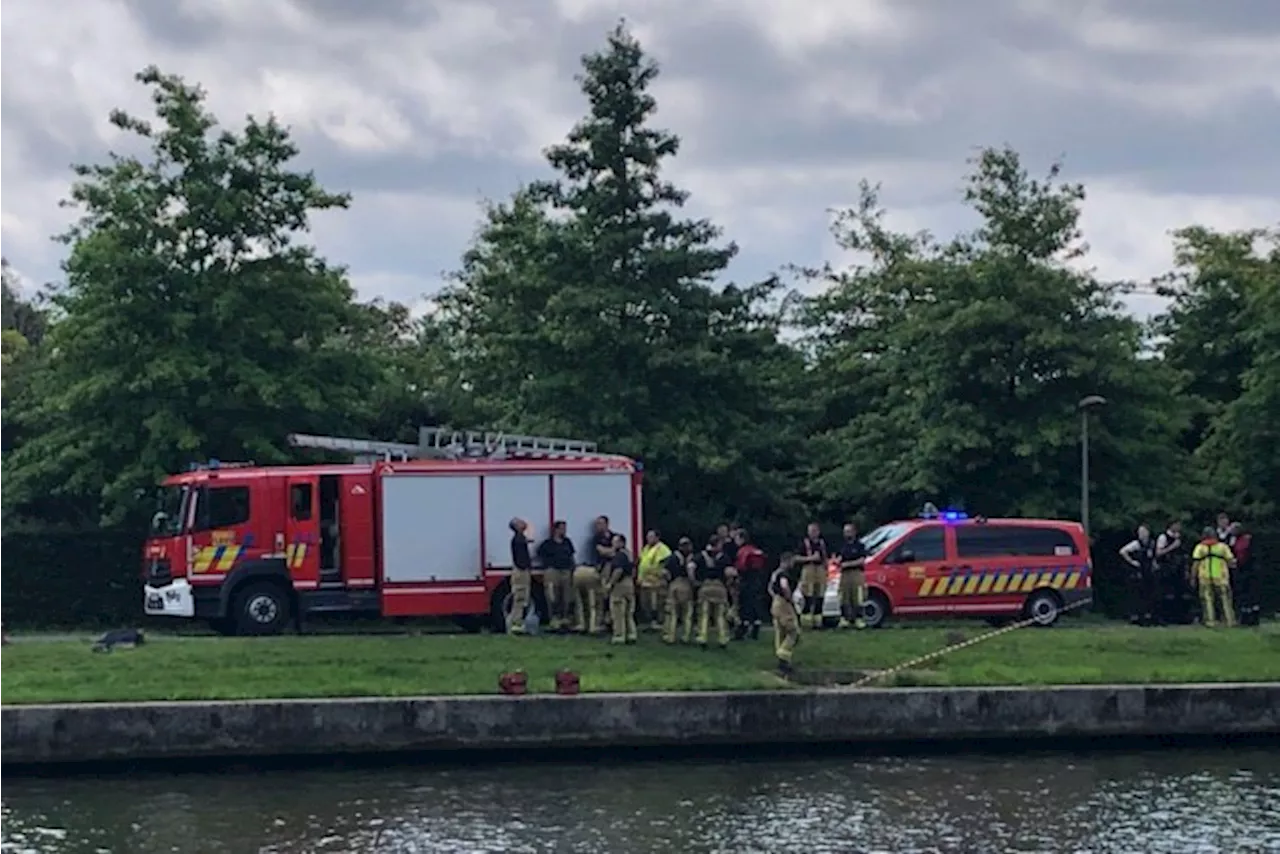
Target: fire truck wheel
(500, 605)
(875, 611)
(1043, 608)
(261, 609)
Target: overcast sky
(1167, 109)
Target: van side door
(922, 571)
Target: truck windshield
(875, 541)
(171, 506)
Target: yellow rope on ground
(906, 665)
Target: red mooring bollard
(513, 683)
(567, 682)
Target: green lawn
(198, 668)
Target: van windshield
(875, 541)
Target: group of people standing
(721, 591)
(1219, 568)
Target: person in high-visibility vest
(653, 589)
(1212, 560)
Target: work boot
(859, 623)
(755, 631)
(784, 669)
(844, 623)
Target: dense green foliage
(194, 321)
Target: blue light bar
(954, 516)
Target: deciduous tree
(195, 323)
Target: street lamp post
(1086, 403)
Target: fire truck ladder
(447, 443)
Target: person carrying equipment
(1212, 560)
(782, 607)
(679, 575)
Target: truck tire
(500, 604)
(261, 609)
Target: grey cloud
(962, 79)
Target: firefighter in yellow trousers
(653, 559)
(622, 592)
(679, 575)
(786, 622)
(1212, 561)
(587, 593)
(713, 572)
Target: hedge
(92, 579)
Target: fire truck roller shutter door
(514, 496)
(431, 528)
(580, 498)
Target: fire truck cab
(404, 531)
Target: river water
(1184, 801)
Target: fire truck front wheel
(261, 609)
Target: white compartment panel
(431, 527)
(527, 496)
(580, 498)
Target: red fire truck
(405, 531)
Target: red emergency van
(950, 565)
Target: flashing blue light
(954, 516)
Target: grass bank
(195, 668)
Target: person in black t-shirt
(679, 575)
(557, 555)
(602, 548)
(713, 571)
(521, 576)
(622, 591)
(853, 581)
(782, 607)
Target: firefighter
(653, 561)
(713, 572)
(1212, 561)
(622, 592)
(556, 554)
(1245, 577)
(679, 577)
(521, 577)
(1171, 576)
(782, 607)
(853, 580)
(813, 575)
(602, 550)
(752, 583)
(1140, 554)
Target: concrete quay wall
(105, 732)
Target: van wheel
(261, 609)
(875, 611)
(1043, 608)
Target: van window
(222, 507)
(976, 541)
(925, 544)
(300, 501)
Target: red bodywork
(328, 530)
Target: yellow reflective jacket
(1212, 560)
(651, 560)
